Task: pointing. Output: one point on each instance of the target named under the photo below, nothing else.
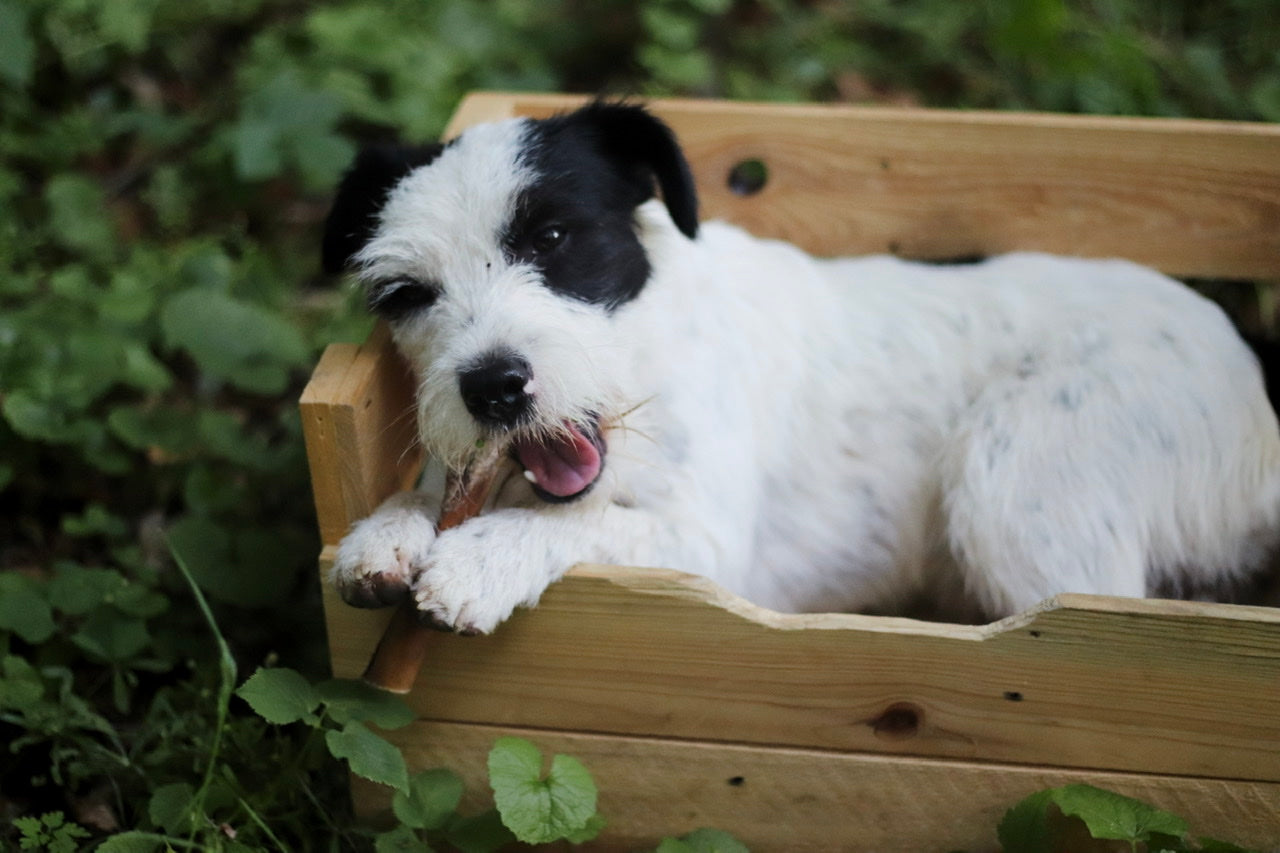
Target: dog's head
(500, 260)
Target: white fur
(828, 435)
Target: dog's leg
(477, 573)
(379, 557)
(1045, 491)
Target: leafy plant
(530, 808)
(1028, 827)
(51, 832)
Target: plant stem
(226, 684)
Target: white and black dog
(814, 435)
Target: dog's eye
(548, 240)
(394, 299)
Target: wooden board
(1193, 198)
(806, 800)
(360, 428)
(1085, 681)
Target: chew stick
(398, 658)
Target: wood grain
(359, 425)
(777, 799)
(1162, 687)
(1193, 198)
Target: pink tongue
(565, 466)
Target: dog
(850, 434)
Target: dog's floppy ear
(647, 149)
(361, 195)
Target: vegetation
(164, 167)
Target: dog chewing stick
(398, 658)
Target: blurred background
(164, 171)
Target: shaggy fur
(814, 435)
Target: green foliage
(164, 172)
(703, 841)
(1029, 826)
(541, 809)
(49, 832)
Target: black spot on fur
(362, 193)
(576, 222)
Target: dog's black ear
(361, 195)
(648, 149)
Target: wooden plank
(1166, 687)
(361, 431)
(1193, 198)
(317, 406)
(800, 800)
(480, 107)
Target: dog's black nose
(494, 390)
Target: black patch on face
(396, 298)
(576, 222)
(363, 191)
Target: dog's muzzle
(562, 464)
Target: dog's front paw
(476, 575)
(379, 558)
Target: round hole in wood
(748, 177)
(899, 721)
(1013, 695)
(737, 781)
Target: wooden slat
(1166, 687)
(360, 428)
(803, 800)
(1193, 198)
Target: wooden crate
(826, 732)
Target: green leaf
(708, 840)
(23, 609)
(170, 808)
(1214, 845)
(1025, 827)
(432, 798)
(127, 22)
(94, 521)
(20, 685)
(673, 845)
(244, 343)
(246, 567)
(348, 699)
(279, 695)
(78, 214)
(17, 47)
(402, 839)
(482, 833)
(539, 810)
(1111, 815)
(45, 420)
(369, 755)
(593, 827)
(257, 149)
(130, 842)
(322, 158)
(76, 590)
(111, 636)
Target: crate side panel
(796, 800)
(659, 653)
